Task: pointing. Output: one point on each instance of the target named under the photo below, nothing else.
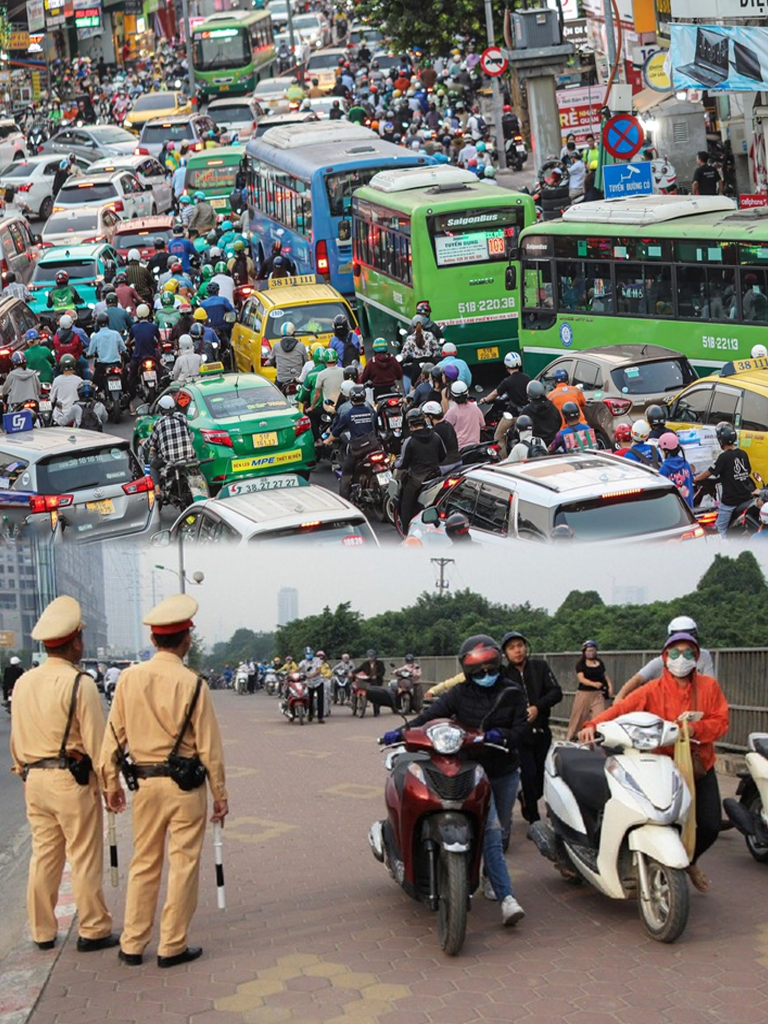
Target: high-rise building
(122, 591)
(79, 571)
(287, 605)
(18, 594)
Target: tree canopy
(430, 27)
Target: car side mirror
(430, 516)
(161, 539)
(37, 239)
(510, 279)
(142, 410)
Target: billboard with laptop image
(719, 58)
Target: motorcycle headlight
(645, 737)
(446, 739)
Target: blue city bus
(300, 183)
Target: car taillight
(217, 437)
(117, 206)
(24, 188)
(321, 258)
(310, 525)
(43, 245)
(197, 146)
(140, 151)
(96, 238)
(4, 268)
(451, 482)
(694, 534)
(254, 125)
(302, 425)
(49, 502)
(708, 518)
(617, 406)
(140, 486)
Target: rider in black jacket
(542, 692)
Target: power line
(442, 584)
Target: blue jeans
(723, 518)
(498, 823)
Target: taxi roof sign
(212, 368)
(295, 281)
(744, 366)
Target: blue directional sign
(15, 422)
(620, 181)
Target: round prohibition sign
(493, 62)
(623, 136)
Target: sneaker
(488, 889)
(511, 911)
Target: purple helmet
(451, 371)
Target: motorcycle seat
(583, 771)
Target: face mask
(486, 679)
(681, 667)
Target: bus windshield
(222, 48)
(482, 236)
(221, 177)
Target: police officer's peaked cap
(173, 615)
(61, 621)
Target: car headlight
(446, 739)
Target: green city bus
(214, 172)
(438, 233)
(233, 51)
(686, 272)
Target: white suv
(121, 191)
(589, 496)
(12, 144)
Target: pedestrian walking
(162, 713)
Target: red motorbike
(432, 838)
(295, 707)
(359, 699)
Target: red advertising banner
(751, 201)
(580, 112)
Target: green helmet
(206, 271)
(318, 356)
(67, 363)
(221, 267)
(239, 245)
(330, 355)
(167, 299)
(380, 345)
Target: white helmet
(142, 311)
(512, 360)
(185, 343)
(459, 390)
(433, 408)
(346, 387)
(133, 254)
(166, 404)
(759, 352)
(682, 624)
(288, 329)
(15, 660)
(449, 349)
(641, 430)
(66, 321)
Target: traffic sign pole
(496, 93)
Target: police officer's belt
(48, 762)
(151, 771)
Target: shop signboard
(685, 10)
(580, 111)
(35, 15)
(720, 58)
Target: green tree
(431, 27)
(243, 645)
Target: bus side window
(691, 291)
(754, 295)
(571, 286)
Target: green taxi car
(88, 266)
(243, 423)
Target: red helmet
(507, 108)
(62, 277)
(623, 433)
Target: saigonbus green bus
(440, 234)
(233, 51)
(689, 273)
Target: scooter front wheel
(758, 850)
(665, 913)
(453, 896)
(362, 704)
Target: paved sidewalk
(317, 933)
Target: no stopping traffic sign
(493, 62)
(623, 136)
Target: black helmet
(196, 330)
(112, 299)
(159, 243)
(524, 423)
(357, 394)
(478, 654)
(457, 526)
(214, 288)
(102, 320)
(571, 412)
(726, 433)
(351, 372)
(436, 373)
(415, 418)
(211, 238)
(513, 634)
(656, 416)
(535, 390)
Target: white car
(270, 92)
(238, 114)
(12, 143)
(147, 169)
(313, 28)
(80, 226)
(321, 105)
(32, 182)
(121, 190)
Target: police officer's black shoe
(48, 944)
(131, 959)
(189, 954)
(92, 945)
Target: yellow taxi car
(738, 395)
(305, 301)
(156, 104)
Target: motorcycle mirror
(478, 389)
(142, 410)
(430, 516)
(230, 318)
(161, 539)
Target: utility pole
(496, 92)
(190, 57)
(442, 584)
(291, 40)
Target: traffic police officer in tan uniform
(148, 712)
(64, 816)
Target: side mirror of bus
(345, 230)
(356, 269)
(510, 278)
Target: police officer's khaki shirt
(41, 700)
(148, 711)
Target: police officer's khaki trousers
(161, 809)
(66, 822)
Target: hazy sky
(241, 589)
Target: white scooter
(616, 816)
(241, 681)
(749, 813)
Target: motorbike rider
(216, 306)
(310, 371)
(733, 470)
(141, 277)
(657, 420)
(575, 435)
(382, 372)
(222, 278)
(489, 701)
(167, 315)
(267, 266)
(67, 341)
(544, 415)
(126, 294)
(341, 671)
(675, 466)
(288, 356)
(310, 665)
(466, 417)
(90, 413)
(107, 348)
(64, 392)
(640, 451)
(111, 677)
(372, 667)
(449, 354)
(11, 674)
(653, 669)
(203, 218)
(411, 666)
(22, 384)
(527, 446)
(63, 296)
(563, 392)
(444, 430)
(424, 309)
(419, 460)
(160, 259)
(188, 362)
(345, 342)
(119, 318)
(512, 391)
(543, 692)
(170, 439)
(679, 688)
(145, 338)
(16, 289)
(39, 357)
(359, 422)
(241, 267)
(181, 247)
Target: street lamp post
(196, 579)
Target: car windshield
(272, 87)
(73, 472)
(167, 132)
(83, 220)
(155, 101)
(323, 60)
(20, 169)
(653, 378)
(77, 269)
(306, 21)
(245, 402)
(231, 112)
(107, 135)
(86, 192)
(335, 534)
(140, 239)
(634, 515)
(314, 319)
